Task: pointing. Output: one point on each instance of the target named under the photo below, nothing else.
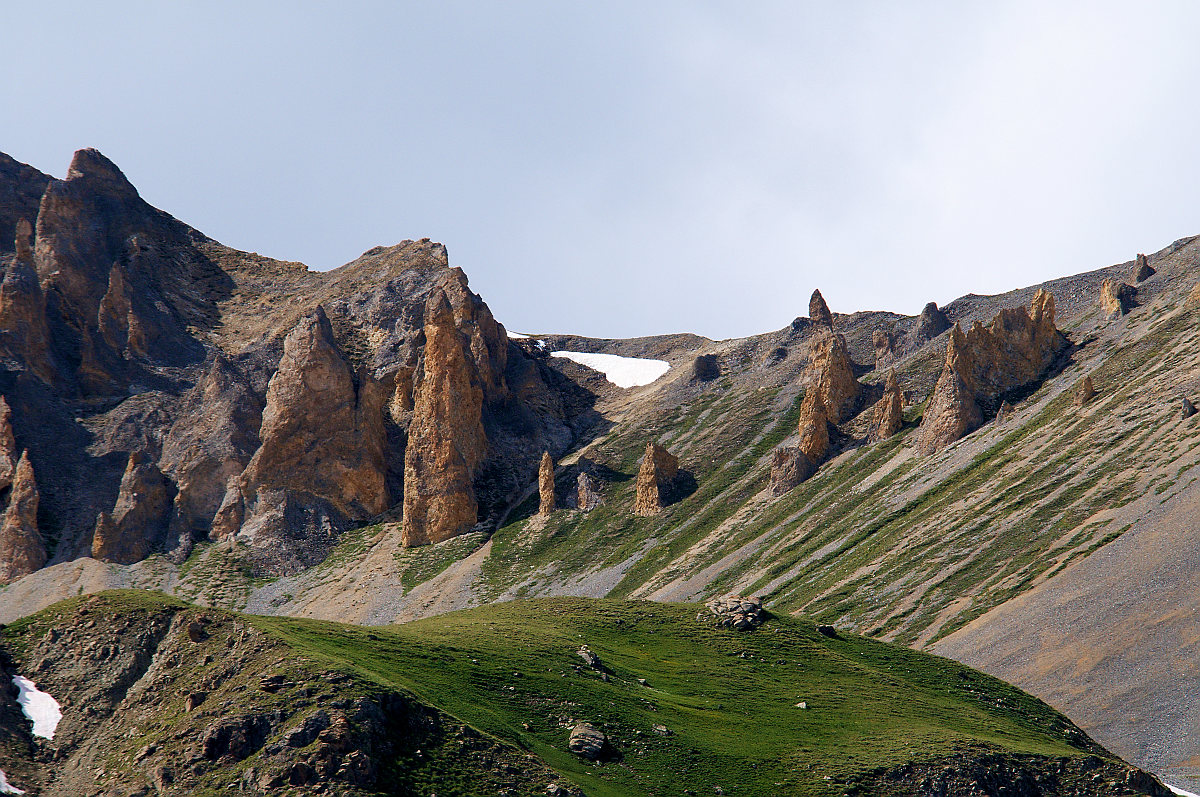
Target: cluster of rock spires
(165, 394)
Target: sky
(629, 168)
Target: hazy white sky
(617, 169)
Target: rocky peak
(889, 414)
(929, 324)
(446, 440)
(818, 311)
(1116, 298)
(322, 455)
(8, 446)
(658, 471)
(1014, 351)
(21, 548)
(831, 376)
(140, 516)
(546, 503)
(21, 189)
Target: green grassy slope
(728, 699)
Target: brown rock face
(587, 493)
(1085, 391)
(659, 469)
(446, 441)
(1142, 270)
(832, 378)
(8, 446)
(140, 516)
(321, 460)
(789, 467)
(818, 311)
(21, 548)
(1116, 298)
(546, 503)
(889, 415)
(814, 427)
(981, 365)
(931, 323)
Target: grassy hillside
(724, 702)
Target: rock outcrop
(24, 334)
(1142, 270)
(889, 414)
(814, 427)
(831, 377)
(1189, 409)
(446, 441)
(588, 491)
(883, 344)
(738, 613)
(546, 504)
(1004, 413)
(929, 324)
(1116, 298)
(8, 447)
(321, 460)
(1085, 391)
(21, 547)
(818, 311)
(139, 519)
(1014, 351)
(705, 368)
(654, 480)
(789, 467)
(587, 741)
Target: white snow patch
(621, 371)
(38, 706)
(1180, 792)
(516, 335)
(6, 787)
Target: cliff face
(279, 406)
(983, 364)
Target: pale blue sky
(616, 169)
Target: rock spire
(546, 505)
(21, 548)
(818, 311)
(654, 480)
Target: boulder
(1189, 409)
(587, 741)
(139, 518)
(1142, 270)
(22, 550)
(589, 657)
(888, 414)
(1014, 351)
(546, 485)
(655, 478)
(736, 612)
(789, 467)
(446, 440)
(8, 446)
(705, 368)
(1085, 391)
(1116, 298)
(587, 493)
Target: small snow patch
(6, 787)
(516, 335)
(38, 706)
(621, 371)
(1180, 792)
